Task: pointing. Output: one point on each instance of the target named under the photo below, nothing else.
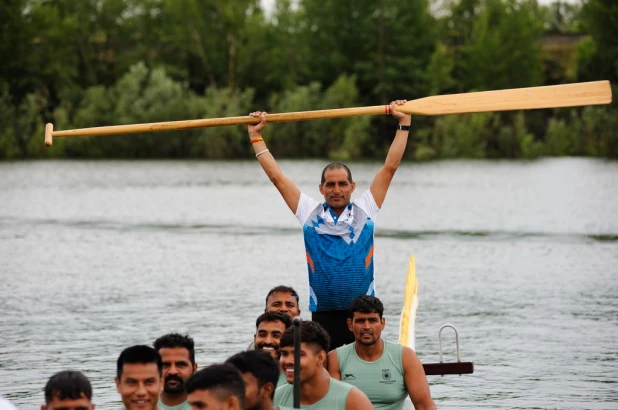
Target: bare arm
(288, 190)
(333, 365)
(357, 400)
(383, 178)
(416, 381)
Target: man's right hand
(255, 130)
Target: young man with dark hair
(68, 390)
(218, 386)
(386, 372)
(338, 232)
(283, 299)
(269, 329)
(260, 372)
(178, 357)
(317, 388)
(138, 377)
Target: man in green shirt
(178, 357)
(138, 377)
(318, 391)
(269, 329)
(260, 372)
(66, 390)
(386, 372)
(283, 299)
(218, 386)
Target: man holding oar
(338, 232)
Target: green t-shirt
(382, 381)
(282, 380)
(182, 406)
(334, 400)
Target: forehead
(304, 347)
(337, 174)
(174, 354)
(270, 326)
(140, 371)
(359, 315)
(281, 297)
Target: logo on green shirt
(386, 374)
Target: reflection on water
(520, 256)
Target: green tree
(503, 49)
(600, 19)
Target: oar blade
(410, 305)
(553, 96)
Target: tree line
(106, 62)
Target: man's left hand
(404, 119)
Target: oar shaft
(216, 122)
(297, 335)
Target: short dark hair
(282, 289)
(138, 354)
(176, 340)
(273, 317)
(68, 384)
(366, 304)
(223, 380)
(260, 364)
(310, 333)
(336, 165)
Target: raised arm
(416, 381)
(383, 178)
(288, 190)
(333, 365)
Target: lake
(522, 257)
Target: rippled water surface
(521, 256)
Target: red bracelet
(254, 140)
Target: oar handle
(212, 122)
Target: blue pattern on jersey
(339, 259)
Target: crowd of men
(366, 374)
(344, 362)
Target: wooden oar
(410, 305)
(553, 96)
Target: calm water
(521, 256)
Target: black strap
(403, 127)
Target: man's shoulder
(284, 388)
(339, 385)
(367, 203)
(345, 350)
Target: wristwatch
(403, 127)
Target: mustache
(263, 345)
(173, 377)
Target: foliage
(101, 62)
